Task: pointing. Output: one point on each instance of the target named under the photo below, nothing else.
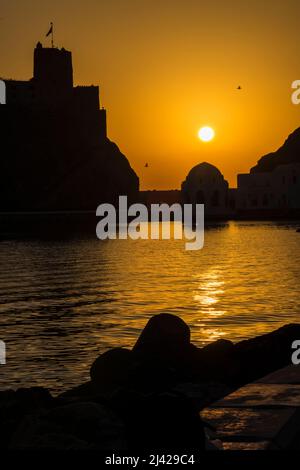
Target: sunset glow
(159, 87)
(206, 134)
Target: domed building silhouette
(206, 185)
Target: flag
(50, 31)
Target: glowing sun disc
(206, 134)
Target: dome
(206, 185)
(203, 174)
(204, 169)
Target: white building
(274, 193)
(206, 185)
(275, 190)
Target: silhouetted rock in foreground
(165, 335)
(264, 354)
(111, 369)
(148, 398)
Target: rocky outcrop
(147, 398)
(259, 356)
(165, 338)
(44, 168)
(288, 153)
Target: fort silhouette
(55, 151)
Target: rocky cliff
(288, 153)
(49, 162)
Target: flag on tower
(50, 31)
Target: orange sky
(168, 67)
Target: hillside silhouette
(289, 152)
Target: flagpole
(52, 36)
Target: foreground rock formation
(147, 398)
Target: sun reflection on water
(208, 297)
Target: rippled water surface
(64, 302)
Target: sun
(206, 133)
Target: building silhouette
(206, 185)
(55, 151)
(275, 190)
(274, 193)
(51, 88)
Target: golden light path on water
(210, 289)
(64, 301)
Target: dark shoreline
(68, 223)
